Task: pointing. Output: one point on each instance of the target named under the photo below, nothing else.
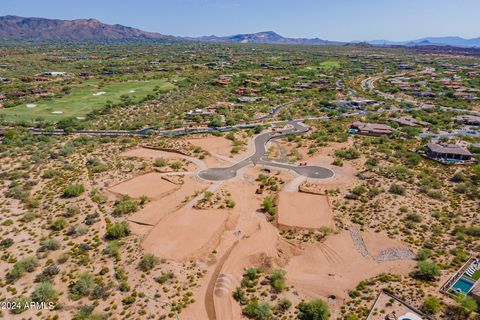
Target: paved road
(217, 174)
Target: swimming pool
(463, 285)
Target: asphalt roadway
(316, 172)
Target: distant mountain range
(434, 41)
(266, 37)
(41, 29)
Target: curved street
(316, 172)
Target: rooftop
(448, 148)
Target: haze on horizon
(341, 20)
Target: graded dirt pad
(335, 266)
(150, 184)
(212, 144)
(303, 210)
(187, 234)
(155, 210)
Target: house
(354, 104)
(371, 129)
(17, 94)
(41, 79)
(3, 98)
(468, 120)
(199, 112)
(410, 122)
(447, 152)
(54, 73)
(226, 105)
(251, 99)
(38, 91)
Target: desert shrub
(78, 230)
(160, 162)
(44, 292)
(5, 243)
(58, 224)
(432, 305)
(348, 154)
(424, 254)
(277, 280)
(94, 165)
(28, 264)
(284, 304)
(176, 165)
(427, 271)
(414, 217)
(124, 206)
(71, 211)
(148, 262)
(314, 310)
(164, 277)
(86, 313)
(113, 249)
(49, 245)
(229, 203)
(48, 273)
(73, 191)
(268, 205)
(22, 304)
(258, 311)
(28, 216)
(83, 286)
(467, 303)
(397, 189)
(117, 230)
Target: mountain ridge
(81, 30)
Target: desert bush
(44, 292)
(28, 264)
(73, 191)
(148, 262)
(117, 230)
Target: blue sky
(343, 20)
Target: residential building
(447, 152)
(371, 129)
(468, 120)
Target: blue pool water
(463, 285)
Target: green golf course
(83, 99)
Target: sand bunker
(302, 210)
(31, 105)
(151, 185)
(99, 93)
(131, 91)
(187, 234)
(57, 112)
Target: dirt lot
(296, 209)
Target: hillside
(40, 29)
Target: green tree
(432, 304)
(313, 310)
(427, 271)
(258, 311)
